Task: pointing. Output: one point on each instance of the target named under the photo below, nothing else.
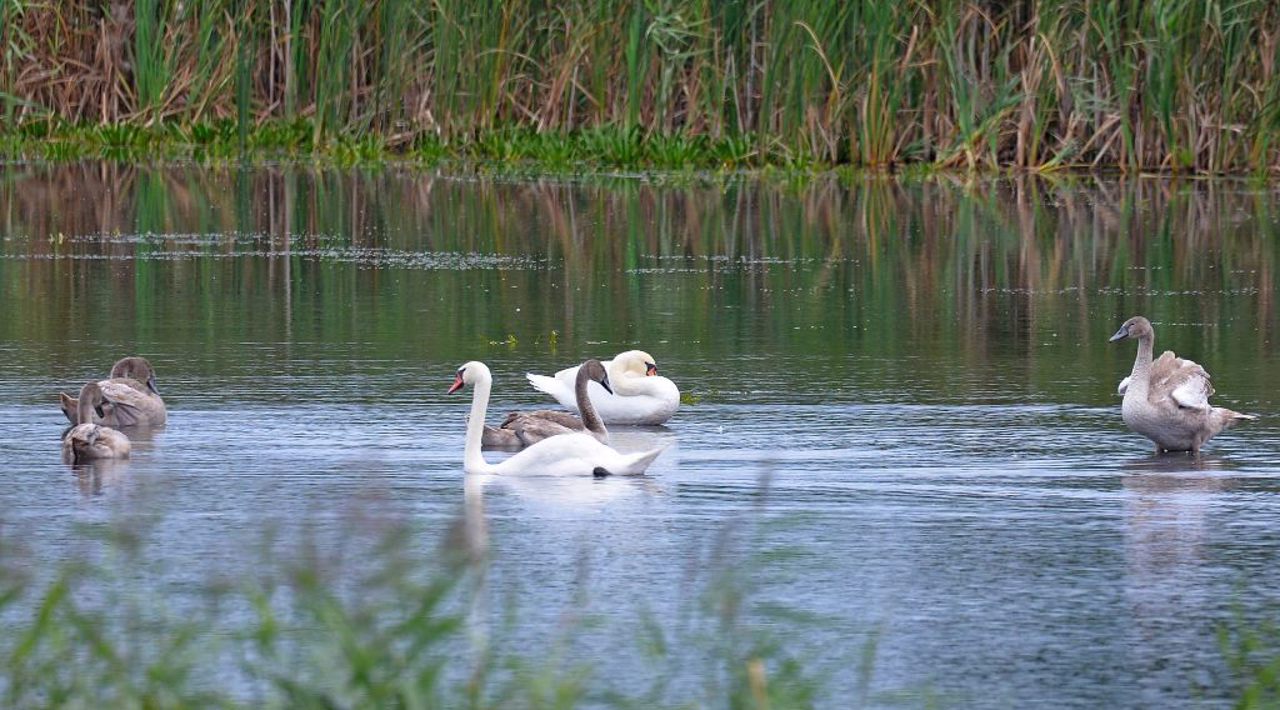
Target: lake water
(902, 426)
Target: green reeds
(1165, 85)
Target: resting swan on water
(1167, 400)
(566, 454)
(130, 397)
(639, 396)
(88, 441)
(521, 429)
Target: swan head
(135, 368)
(634, 363)
(1135, 327)
(629, 371)
(87, 436)
(469, 374)
(593, 370)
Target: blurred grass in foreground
(378, 620)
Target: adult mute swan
(521, 429)
(130, 397)
(640, 395)
(1167, 400)
(88, 441)
(567, 454)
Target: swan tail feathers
(637, 463)
(1228, 418)
(69, 407)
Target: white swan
(640, 395)
(566, 454)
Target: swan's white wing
(660, 400)
(555, 387)
(567, 454)
(1124, 385)
(561, 384)
(1184, 382)
(574, 455)
(569, 375)
(1193, 393)
(655, 406)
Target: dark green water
(920, 371)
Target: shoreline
(506, 152)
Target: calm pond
(901, 431)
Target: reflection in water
(143, 439)
(473, 545)
(961, 264)
(564, 496)
(1165, 467)
(93, 478)
(1168, 535)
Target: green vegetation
(1136, 85)
(1252, 654)
(372, 621)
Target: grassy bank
(505, 150)
(1136, 85)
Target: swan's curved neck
(1142, 364)
(626, 383)
(472, 460)
(590, 419)
(84, 409)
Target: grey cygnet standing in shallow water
(1167, 400)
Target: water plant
(1052, 84)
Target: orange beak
(457, 384)
(650, 369)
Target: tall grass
(1158, 85)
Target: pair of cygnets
(625, 390)
(127, 398)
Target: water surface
(905, 388)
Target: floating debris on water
(366, 257)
